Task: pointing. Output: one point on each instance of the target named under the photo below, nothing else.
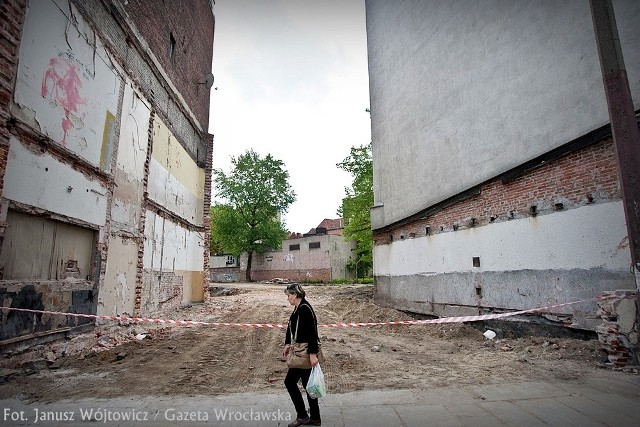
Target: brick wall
(12, 15)
(121, 42)
(162, 293)
(143, 217)
(586, 176)
(191, 60)
(206, 217)
(619, 330)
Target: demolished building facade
(105, 160)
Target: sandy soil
(219, 360)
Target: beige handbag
(298, 356)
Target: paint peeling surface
(75, 297)
(172, 256)
(66, 85)
(117, 293)
(53, 186)
(132, 152)
(175, 180)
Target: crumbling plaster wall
(175, 180)
(78, 138)
(63, 130)
(67, 88)
(173, 264)
(117, 295)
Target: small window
(314, 245)
(294, 247)
(172, 45)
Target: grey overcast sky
(292, 81)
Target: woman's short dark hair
(295, 289)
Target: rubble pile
(618, 333)
(277, 281)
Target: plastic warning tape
(459, 319)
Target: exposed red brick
(573, 180)
(192, 55)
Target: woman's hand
(313, 358)
(285, 350)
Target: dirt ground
(197, 360)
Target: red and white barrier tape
(459, 319)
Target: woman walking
(303, 328)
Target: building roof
(327, 226)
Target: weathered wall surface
(173, 265)
(53, 185)
(524, 263)
(175, 180)
(492, 251)
(191, 24)
(91, 221)
(66, 87)
(56, 192)
(118, 292)
(303, 260)
(464, 91)
(226, 274)
(341, 253)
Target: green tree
(356, 206)
(255, 193)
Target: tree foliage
(255, 193)
(356, 206)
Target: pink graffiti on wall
(61, 84)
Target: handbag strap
(295, 336)
(315, 321)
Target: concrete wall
(464, 95)
(463, 91)
(227, 274)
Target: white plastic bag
(316, 386)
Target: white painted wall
(462, 91)
(134, 133)
(166, 190)
(49, 181)
(117, 295)
(175, 180)
(590, 237)
(132, 153)
(67, 87)
(171, 246)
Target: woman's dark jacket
(305, 318)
